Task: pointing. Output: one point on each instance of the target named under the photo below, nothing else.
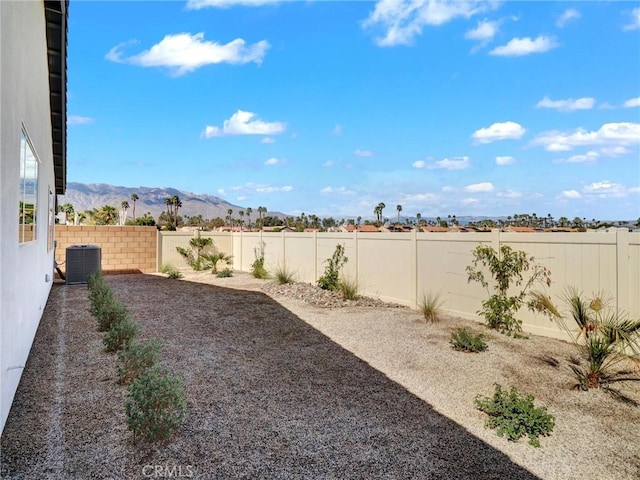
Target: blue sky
(328, 108)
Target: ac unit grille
(82, 261)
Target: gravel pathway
(279, 388)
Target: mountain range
(95, 195)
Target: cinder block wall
(125, 249)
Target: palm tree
(248, 212)
(167, 202)
(229, 215)
(124, 206)
(359, 219)
(134, 198)
(176, 203)
(241, 213)
(399, 209)
(418, 216)
(382, 207)
(105, 215)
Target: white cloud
(329, 163)
(273, 161)
(605, 189)
(567, 16)
(632, 102)
(363, 153)
(418, 197)
(79, 120)
(635, 20)
(589, 157)
(617, 134)
(614, 151)
(518, 47)
(184, 53)
(567, 105)
(509, 194)
(505, 160)
(419, 164)
(448, 188)
(336, 191)
(221, 191)
(499, 131)
(272, 189)
(456, 163)
(402, 20)
(479, 187)
(268, 140)
(337, 130)
(243, 123)
(485, 31)
(469, 201)
(198, 4)
(571, 194)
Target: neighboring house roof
(56, 15)
(520, 229)
(368, 228)
(435, 229)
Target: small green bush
(174, 274)
(100, 297)
(110, 314)
(94, 279)
(515, 415)
(464, 340)
(257, 267)
(226, 273)
(120, 335)
(155, 405)
(349, 288)
(431, 307)
(330, 280)
(136, 359)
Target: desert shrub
(195, 255)
(155, 405)
(94, 280)
(100, 296)
(330, 280)
(226, 273)
(465, 340)
(283, 274)
(506, 268)
(174, 274)
(257, 267)
(110, 313)
(136, 359)
(514, 415)
(120, 335)
(349, 288)
(166, 268)
(431, 307)
(604, 335)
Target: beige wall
(124, 249)
(401, 267)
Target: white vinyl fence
(401, 267)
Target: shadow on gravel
(268, 397)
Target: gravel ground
(288, 382)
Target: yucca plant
(213, 259)
(605, 336)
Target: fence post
(495, 240)
(158, 250)
(357, 254)
(622, 269)
(315, 256)
(414, 239)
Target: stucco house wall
(26, 269)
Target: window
(28, 203)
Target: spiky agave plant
(604, 335)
